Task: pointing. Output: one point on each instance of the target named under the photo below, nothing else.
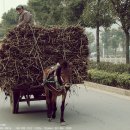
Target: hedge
(110, 67)
(108, 78)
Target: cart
(23, 95)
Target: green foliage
(122, 9)
(112, 39)
(110, 67)
(68, 12)
(97, 11)
(47, 12)
(2, 31)
(105, 35)
(74, 10)
(107, 78)
(10, 18)
(115, 38)
(124, 80)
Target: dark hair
(19, 7)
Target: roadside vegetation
(116, 75)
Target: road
(86, 109)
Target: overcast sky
(5, 5)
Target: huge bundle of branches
(27, 50)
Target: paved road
(86, 109)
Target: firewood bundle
(27, 50)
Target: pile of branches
(27, 50)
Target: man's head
(19, 9)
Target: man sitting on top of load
(25, 17)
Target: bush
(108, 78)
(110, 67)
(124, 80)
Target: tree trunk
(127, 47)
(97, 43)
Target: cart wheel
(14, 102)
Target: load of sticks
(27, 50)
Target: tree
(57, 12)
(122, 8)
(105, 39)
(10, 18)
(91, 39)
(121, 36)
(47, 12)
(2, 31)
(98, 13)
(90, 13)
(112, 39)
(74, 10)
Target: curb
(108, 88)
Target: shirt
(25, 17)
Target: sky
(5, 5)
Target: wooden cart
(18, 95)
